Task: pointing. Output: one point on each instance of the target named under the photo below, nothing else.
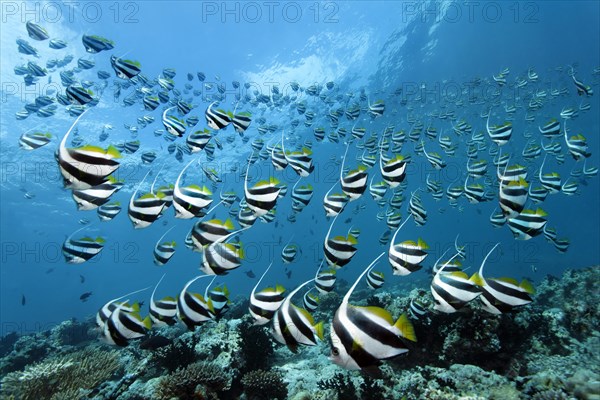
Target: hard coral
(197, 380)
(262, 384)
(84, 370)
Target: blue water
(375, 46)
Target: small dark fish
(50, 270)
(85, 296)
(250, 274)
(81, 278)
(23, 301)
(348, 220)
(155, 342)
(288, 273)
(141, 303)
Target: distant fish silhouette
(250, 274)
(23, 301)
(85, 296)
(81, 278)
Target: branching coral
(341, 384)
(185, 383)
(81, 370)
(176, 355)
(261, 384)
(256, 346)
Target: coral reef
(63, 376)
(265, 385)
(546, 350)
(256, 345)
(197, 380)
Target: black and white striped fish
(174, 126)
(77, 251)
(500, 134)
(417, 309)
(125, 69)
(107, 212)
(95, 196)
(377, 189)
(393, 170)
(263, 304)
(163, 251)
(217, 118)
(334, 203)
(241, 122)
(434, 159)
(363, 336)
(501, 295)
(528, 223)
(376, 109)
(35, 31)
(192, 309)
(220, 257)
(339, 250)
(189, 201)
(550, 129)
(453, 290)
(86, 166)
(310, 301)
(375, 279)
(146, 209)
(34, 140)
(205, 233)
(294, 326)
(103, 313)
(278, 158)
(406, 257)
(123, 326)
(163, 312)
(512, 197)
(262, 197)
(198, 140)
(302, 194)
(95, 44)
(289, 253)
(581, 88)
(78, 95)
(300, 161)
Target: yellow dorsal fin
(306, 314)
(228, 224)
(527, 286)
(477, 279)
(406, 328)
(319, 327)
(512, 281)
(147, 322)
(379, 312)
(459, 274)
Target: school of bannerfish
(361, 337)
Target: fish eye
(335, 351)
